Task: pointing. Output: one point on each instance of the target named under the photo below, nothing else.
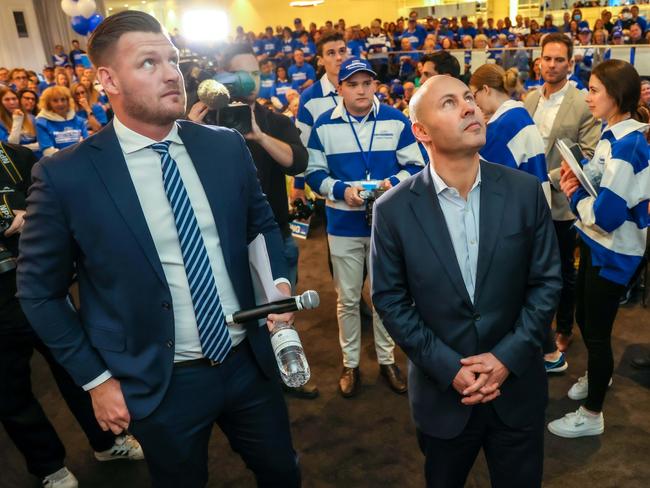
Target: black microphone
(306, 301)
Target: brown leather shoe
(393, 376)
(563, 341)
(349, 382)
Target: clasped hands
(480, 378)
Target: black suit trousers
(515, 457)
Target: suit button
(476, 317)
(166, 305)
(170, 343)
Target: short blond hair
(54, 92)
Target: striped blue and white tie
(211, 322)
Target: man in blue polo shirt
(355, 148)
(267, 46)
(415, 33)
(301, 74)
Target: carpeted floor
(369, 441)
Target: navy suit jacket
(418, 291)
(84, 216)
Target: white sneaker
(580, 389)
(60, 479)
(125, 447)
(578, 424)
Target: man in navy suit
(154, 216)
(466, 276)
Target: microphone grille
(213, 94)
(309, 300)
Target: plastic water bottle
(290, 355)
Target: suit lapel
(426, 207)
(491, 216)
(207, 168)
(110, 164)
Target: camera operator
(274, 143)
(20, 413)
(356, 150)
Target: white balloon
(86, 7)
(70, 7)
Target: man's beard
(138, 109)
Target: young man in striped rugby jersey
(357, 145)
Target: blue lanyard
(364, 155)
(336, 104)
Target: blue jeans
(291, 255)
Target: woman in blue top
(282, 84)
(534, 75)
(57, 125)
(612, 226)
(88, 109)
(512, 138)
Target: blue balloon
(79, 24)
(93, 21)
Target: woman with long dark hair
(612, 227)
(16, 126)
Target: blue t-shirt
(469, 31)
(355, 47)
(309, 49)
(60, 59)
(60, 134)
(266, 46)
(298, 75)
(417, 37)
(281, 88)
(267, 86)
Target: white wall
(24, 52)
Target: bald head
(445, 116)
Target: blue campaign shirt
(309, 49)
(356, 47)
(286, 46)
(406, 68)
(281, 88)
(60, 59)
(614, 223)
(416, 37)
(267, 86)
(300, 74)
(512, 139)
(463, 223)
(530, 83)
(266, 46)
(383, 148)
(546, 30)
(98, 112)
(52, 131)
(469, 31)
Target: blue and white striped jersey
(614, 224)
(314, 101)
(336, 161)
(513, 140)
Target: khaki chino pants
(349, 254)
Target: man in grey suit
(560, 111)
(466, 278)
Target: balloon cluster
(85, 19)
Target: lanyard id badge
(365, 155)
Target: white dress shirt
(546, 111)
(145, 168)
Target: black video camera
(7, 259)
(370, 196)
(301, 210)
(227, 97)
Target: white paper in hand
(567, 155)
(261, 274)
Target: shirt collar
(505, 106)
(131, 141)
(558, 94)
(327, 86)
(440, 186)
(625, 127)
(340, 111)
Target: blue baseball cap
(355, 65)
(585, 30)
(444, 21)
(617, 34)
(511, 37)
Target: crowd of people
(365, 110)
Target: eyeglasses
(475, 92)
